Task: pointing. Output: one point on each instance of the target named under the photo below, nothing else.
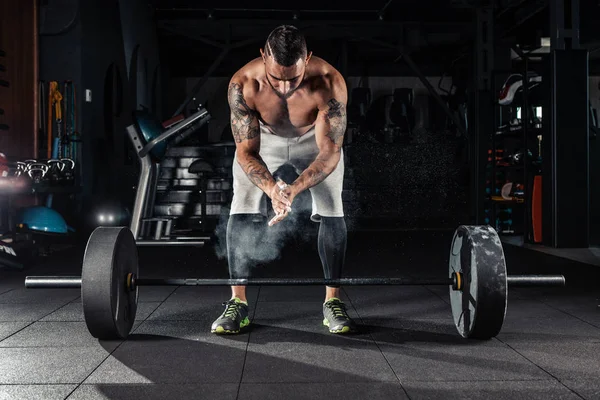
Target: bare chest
(289, 117)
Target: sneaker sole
(219, 330)
(345, 329)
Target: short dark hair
(286, 44)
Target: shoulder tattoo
(243, 119)
(336, 116)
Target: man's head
(285, 56)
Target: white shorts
(298, 152)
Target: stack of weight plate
(179, 193)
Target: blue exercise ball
(43, 219)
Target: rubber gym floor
(408, 347)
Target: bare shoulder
(328, 82)
(243, 85)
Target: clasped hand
(282, 195)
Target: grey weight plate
(480, 307)
(109, 307)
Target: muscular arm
(246, 133)
(329, 133)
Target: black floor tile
(208, 294)
(588, 389)
(194, 311)
(152, 391)
(294, 314)
(568, 360)
(10, 280)
(164, 359)
(433, 350)
(309, 353)
(418, 330)
(443, 292)
(29, 296)
(46, 365)
(180, 332)
(9, 328)
(35, 392)
(485, 390)
(4, 288)
(561, 328)
(154, 293)
(27, 312)
(295, 294)
(74, 312)
(398, 302)
(585, 308)
(445, 362)
(373, 294)
(530, 308)
(57, 334)
(331, 390)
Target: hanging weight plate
(109, 307)
(479, 308)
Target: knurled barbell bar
(74, 282)
(477, 279)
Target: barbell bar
(74, 282)
(477, 279)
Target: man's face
(284, 80)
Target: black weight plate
(479, 309)
(109, 307)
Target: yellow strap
(56, 97)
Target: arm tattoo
(257, 172)
(243, 119)
(320, 169)
(316, 172)
(244, 126)
(336, 117)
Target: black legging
(247, 243)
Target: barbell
(477, 279)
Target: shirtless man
(287, 107)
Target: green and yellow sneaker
(336, 318)
(233, 319)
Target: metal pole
(536, 280)
(516, 280)
(291, 282)
(146, 171)
(37, 282)
(53, 282)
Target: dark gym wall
(102, 53)
(18, 41)
(60, 48)
(594, 94)
(142, 55)
(96, 52)
(60, 42)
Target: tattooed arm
(329, 133)
(246, 133)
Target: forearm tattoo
(257, 171)
(336, 117)
(316, 172)
(243, 119)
